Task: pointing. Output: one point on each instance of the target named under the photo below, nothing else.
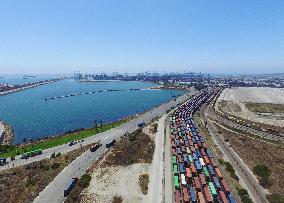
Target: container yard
(196, 177)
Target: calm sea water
(31, 116)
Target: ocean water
(31, 116)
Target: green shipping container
(176, 181)
(175, 168)
(174, 159)
(205, 172)
(190, 158)
(212, 189)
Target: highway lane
(54, 191)
(256, 192)
(127, 127)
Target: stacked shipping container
(196, 176)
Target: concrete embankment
(6, 133)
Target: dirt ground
(254, 94)
(117, 173)
(24, 183)
(255, 152)
(239, 102)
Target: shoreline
(26, 86)
(6, 134)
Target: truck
(70, 186)
(110, 144)
(95, 147)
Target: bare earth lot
(262, 105)
(255, 152)
(254, 94)
(117, 173)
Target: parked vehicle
(70, 186)
(72, 143)
(110, 144)
(140, 125)
(95, 147)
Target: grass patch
(229, 168)
(263, 172)
(265, 107)
(143, 182)
(243, 194)
(9, 151)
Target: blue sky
(227, 36)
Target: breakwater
(18, 88)
(92, 92)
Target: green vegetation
(30, 182)
(265, 107)
(52, 156)
(85, 180)
(229, 168)
(275, 198)
(55, 165)
(8, 151)
(263, 172)
(143, 182)
(243, 194)
(155, 127)
(117, 199)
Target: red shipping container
(225, 187)
(207, 194)
(223, 197)
(185, 194)
(177, 196)
(201, 197)
(218, 173)
(197, 184)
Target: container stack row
(196, 177)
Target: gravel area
(254, 94)
(236, 98)
(108, 182)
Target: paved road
(54, 191)
(127, 127)
(155, 191)
(255, 190)
(169, 198)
